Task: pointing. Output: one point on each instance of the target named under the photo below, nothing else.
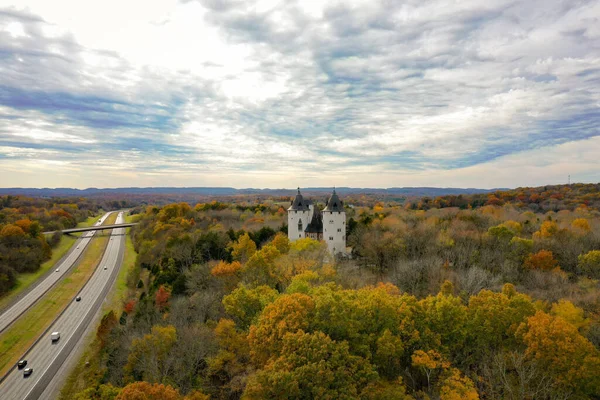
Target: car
(78, 298)
(77, 246)
(105, 267)
(21, 364)
(57, 270)
(27, 371)
(54, 336)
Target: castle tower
(334, 225)
(299, 216)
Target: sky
(280, 94)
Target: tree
(492, 321)
(571, 359)
(245, 304)
(197, 395)
(108, 322)
(589, 264)
(570, 313)
(162, 298)
(542, 260)
(243, 249)
(148, 391)
(311, 365)
(445, 316)
(581, 226)
(385, 390)
(456, 386)
(149, 358)
(281, 242)
(388, 356)
(232, 359)
(547, 230)
(287, 314)
(430, 362)
(260, 268)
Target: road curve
(11, 314)
(46, 357)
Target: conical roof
(334, 203)
(299, 204)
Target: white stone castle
(307, 221)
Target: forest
(23, 248)
(478, 301)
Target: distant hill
(538, 199)
(229, 191)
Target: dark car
(27, 371)
(21, 364)
(78, 298)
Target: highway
(63, 266)
(46, 357)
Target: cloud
(261, 93)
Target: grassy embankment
(23, 333)
(25, 280)
(84, 376)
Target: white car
(54, 336)
(57, 270)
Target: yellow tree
(245, 304)
(311, 366)
(289, 313)
(456, 386)
(243, 249)
(281, 242)
(589, 264)
(260, 268)
(149, 356)
(148, 391)
(572, 361)
(570, 313)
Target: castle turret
(299, 216)
(334, 225)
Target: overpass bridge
(93, 228)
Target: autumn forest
(487, 296)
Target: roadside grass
(26, 279)
(86, 376)
(23, 333)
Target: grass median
(26, 279)
(24, 332)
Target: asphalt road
(29, 299)
(46, 357)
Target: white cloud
(255, 93)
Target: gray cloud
(391, 85)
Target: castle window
(330, 237)
(339, 229)
(300, 235)
(300, 225)
(331, 221)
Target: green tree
(311, 366)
